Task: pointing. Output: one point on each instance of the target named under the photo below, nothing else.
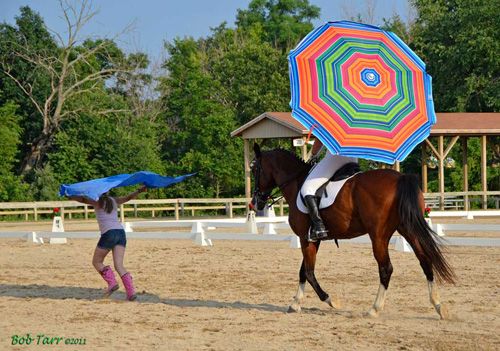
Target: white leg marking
(295, 305)
(379, 303)
(441, 309)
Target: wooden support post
(303, 150)
(231, 210)
(484, 170)
(248, 180)
(176, 211)
(465, 170)
(441, 171)
(424, 167)
(397, 166)
(122, 213)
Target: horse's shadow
(35, 291)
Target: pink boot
(129, 286)
(109, 277)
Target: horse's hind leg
(381, 253)
(441, 309)
(309, 251)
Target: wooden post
(424, 167)
(484, 170)
(176, 211)
(304, 150)
(35, 212)
(465, 169)
(248, 180)
(122, 213)
(397, 166)
(441, 171)
(231, 209)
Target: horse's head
(264, 180)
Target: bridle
(264, 196)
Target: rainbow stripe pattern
(366, 93)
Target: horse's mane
(288, 153)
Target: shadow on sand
(35, 291)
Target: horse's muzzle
(258, 202)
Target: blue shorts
(112, 238)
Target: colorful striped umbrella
(363, 90)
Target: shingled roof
(448, 124)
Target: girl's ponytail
(106, 203)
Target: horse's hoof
(372, 313)
(444, 311)
(334, 302)
(293, 310)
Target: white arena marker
(294, 242)
(32, 238)
(58, 227)
(439, 230)
(402, 245)
(251, 224)
(127, 227)
(201, 240)
(269, 229)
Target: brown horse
(377, 202)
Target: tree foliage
(83, 108)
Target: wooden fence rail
(179, 207)
(185, 207)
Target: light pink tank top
(108, 221)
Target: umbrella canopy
(363, 90)
(95, 188)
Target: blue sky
(159, 20)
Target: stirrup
(323, 235)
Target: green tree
(11, 187)
(200, 125)
(284, 22)
(71, 70)
(459, 40)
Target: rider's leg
(318, 230)
(319, 175)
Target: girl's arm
(122, 200)
(84, 200)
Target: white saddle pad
(328, 196)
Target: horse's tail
(412, 223)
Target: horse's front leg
(309, 251)
(295, 305)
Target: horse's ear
(256, 149)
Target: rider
(318, 176)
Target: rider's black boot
(318, 230)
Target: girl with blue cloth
(113, 238)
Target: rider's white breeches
(323, 171)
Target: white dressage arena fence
(204, 231)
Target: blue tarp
(94, 188)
